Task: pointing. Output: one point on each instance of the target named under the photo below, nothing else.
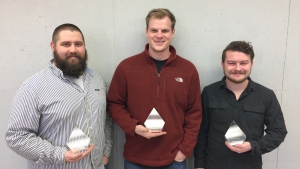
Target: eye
(244, 63)
(153, 31)
(165, 31)
(231, 63)
(65, 44)
(78, 44)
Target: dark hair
(66, 26)
(239, 46)
(160, 13)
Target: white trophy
(234, 134)
(154, 122)
(78, 141)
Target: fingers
(71, 157)
(239, 148)
(148, 134)
(105, 160)
(180, 156)
(88, 150)
(155, 134)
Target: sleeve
(275, 128)
(23, 126)
(200, 148)
(193, 117)
(117, 102)
(107, 133)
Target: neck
(236, 87)
(163, 55)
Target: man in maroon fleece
(157, 78)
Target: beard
(75, 69)
(237, 72)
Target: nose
(73, 48)
(238, 66)
(159, 34)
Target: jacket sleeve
(117, 102)
(193, 117)
(23, 125)
(275, 128)
(200, 148)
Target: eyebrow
(238, 61)
(71, 42)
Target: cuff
(183, 150)
(107, 151)
(59, 155)
(255, 151)
(133, 126)
(198, 163)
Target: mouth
(159, 42)
(72, 56)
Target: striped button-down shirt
(44, 111)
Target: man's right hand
(71, 157)
(143, 131)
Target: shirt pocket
(254, 115)
(219, 112)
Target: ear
(173, 33)
(52, 46)
(222, 64)
(146, 32)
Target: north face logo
(179, 79)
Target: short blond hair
(160, 13)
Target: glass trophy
(234, 134)
(154, 122)
(78, 141)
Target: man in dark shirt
(251, 105)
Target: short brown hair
(160, 13)
(66, 26)
(239, 46)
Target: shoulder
(94, 74)
(261, 89)
(33, 84)
(38, 78)
(132, 59)
(184, 62)
(182, 65)
(213, 87)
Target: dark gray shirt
(256, 107)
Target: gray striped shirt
(44, 111)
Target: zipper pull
(158, 77)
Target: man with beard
(157, 79)
(66, 97)
(252, 106)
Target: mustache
(73, 55)
(238, 72)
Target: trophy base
(155, 131)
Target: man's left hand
(180, 156)
(105, 160)
(239, 148)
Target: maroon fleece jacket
(136, 88)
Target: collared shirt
(256, 108)
(44, 111)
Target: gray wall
(115, 29)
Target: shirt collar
(173, 54)
(251, 85)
